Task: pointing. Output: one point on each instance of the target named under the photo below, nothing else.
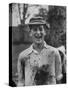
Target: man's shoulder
(25, 53)
(51, 48)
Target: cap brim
(47, 25)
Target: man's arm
(20, 66)
(58, 66)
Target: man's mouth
(38, 37)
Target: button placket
(39, 60)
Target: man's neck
(38, 47)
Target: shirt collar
(33, 50)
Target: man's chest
(36, 61)
(39, 59)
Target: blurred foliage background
(18, 13)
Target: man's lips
(38, 37)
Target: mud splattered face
(38, 33)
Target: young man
(40, 64)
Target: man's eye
(35, 29)
(40, 29)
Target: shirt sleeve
(58, 66)
(20, 66)
(64, 64)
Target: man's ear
(44, 32)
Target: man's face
(37, 33)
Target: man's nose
(38, 31)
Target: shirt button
(39, 57)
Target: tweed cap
(36, 20)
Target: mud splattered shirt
(30, 60)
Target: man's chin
(38, 42)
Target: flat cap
(36, 20)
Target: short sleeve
(20, 66)
(64, 64)
(58, 66)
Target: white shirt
(33, 60)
